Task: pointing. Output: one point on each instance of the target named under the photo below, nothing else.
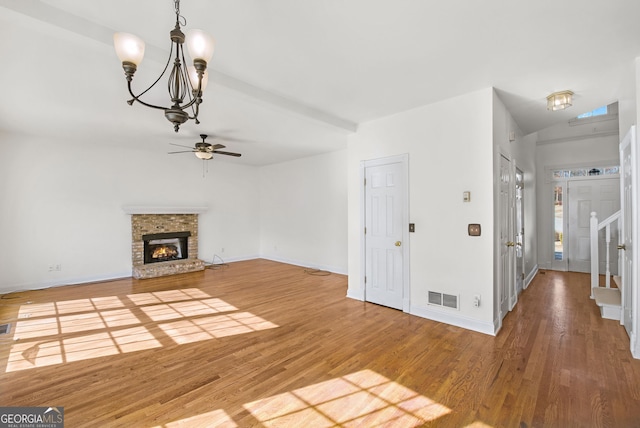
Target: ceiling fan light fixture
(559, 100)
(185, 91)
(204, 155)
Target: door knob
(398, 243)
(510, 244)
(622, 247)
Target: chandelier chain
(179, 18)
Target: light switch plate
(466, 196)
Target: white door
(385, 212)
(601, 195)
(519, 230)
(506, 270)
(627, 155)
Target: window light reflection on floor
(216, 418)
(73, 330)
(364, 398)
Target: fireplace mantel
(149, 209)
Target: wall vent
(442, 299)
(5, 328)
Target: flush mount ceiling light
(559, 100)
(184, 81)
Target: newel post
(593, 224)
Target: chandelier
(185, 84)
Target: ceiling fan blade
(218, 146)
(183, 151)
(227, 153)
(180, 145)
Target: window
(558, 217)
(597, 112)
(560, 174)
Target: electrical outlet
(476, 300)
(222, 250)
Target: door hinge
(365, 279)
(365, 182)
(365, 230)
(522, 275)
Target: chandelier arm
(137, 98)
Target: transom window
(561, 174)
(597, 112)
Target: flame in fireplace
(165, 252)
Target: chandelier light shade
(559, 100)
(129, 48)
(185, 83)
(204, 155)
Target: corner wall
(450, 150)
(303, 212)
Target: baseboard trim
(309, 265)
(635, 346)
(532, 274)
(454, 319)
(17, 288)
(355, 294)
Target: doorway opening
(577, 192)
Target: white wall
(450, 151)
(561, 146)
(61, 203)
(303, 212)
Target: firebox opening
(163, 247)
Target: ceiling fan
(204, 150)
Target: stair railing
(595, 228)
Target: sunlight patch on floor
(73, 330)
(216, 418)
(364, 398)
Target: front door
(385, 243)
(586, 196)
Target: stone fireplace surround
(151, 220)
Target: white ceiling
(293, 78)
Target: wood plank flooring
(261, 343)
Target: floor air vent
(441, 299)
(5, 328)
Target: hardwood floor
(265, 344)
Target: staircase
(609, 299)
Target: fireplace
(164, 241)
(164, 247)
